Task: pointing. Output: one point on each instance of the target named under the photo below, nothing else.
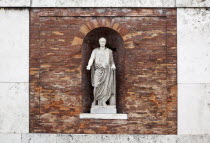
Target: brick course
(146, 57)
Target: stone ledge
(15, 3)
(103, 116)
(106, 3)
(100, 138)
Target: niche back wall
(149, 79)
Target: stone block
(107, 3)
(193, 139)
(14, 108)
(90, 138)
(10, 138)
(193, 109)
(76, 138)
(103, 116)
(15, 3)
(14, 37)
(193, 3)
(193, 45)
(39, 138)
(111, 109)
(161, 139)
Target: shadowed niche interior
(116, 44)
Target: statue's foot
(103, 104)
(94, 103)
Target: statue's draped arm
(90, 63)
(112, 61)
(91, 60)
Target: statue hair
(102, 38)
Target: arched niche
(116, 44)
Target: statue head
(102, 42)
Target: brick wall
(146, 67)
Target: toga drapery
(102, 75)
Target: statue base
(103, 112)
(103, 116)
(109, 109)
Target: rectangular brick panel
(146, 65)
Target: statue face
(102, 42)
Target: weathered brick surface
(144, 45)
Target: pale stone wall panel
(14, 108)
(105, 3)
(78, 138)
(193, 109)
(14, 40)
(193, 26)
(193, 3)
(193, 45)
(15, 3)
(39, 138)
(10, 138)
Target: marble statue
(102, 66)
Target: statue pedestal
(103, 116)
(109, 109)
(103, 112)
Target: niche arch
(116, 44)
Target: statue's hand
(113, 67)
(88, 67)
